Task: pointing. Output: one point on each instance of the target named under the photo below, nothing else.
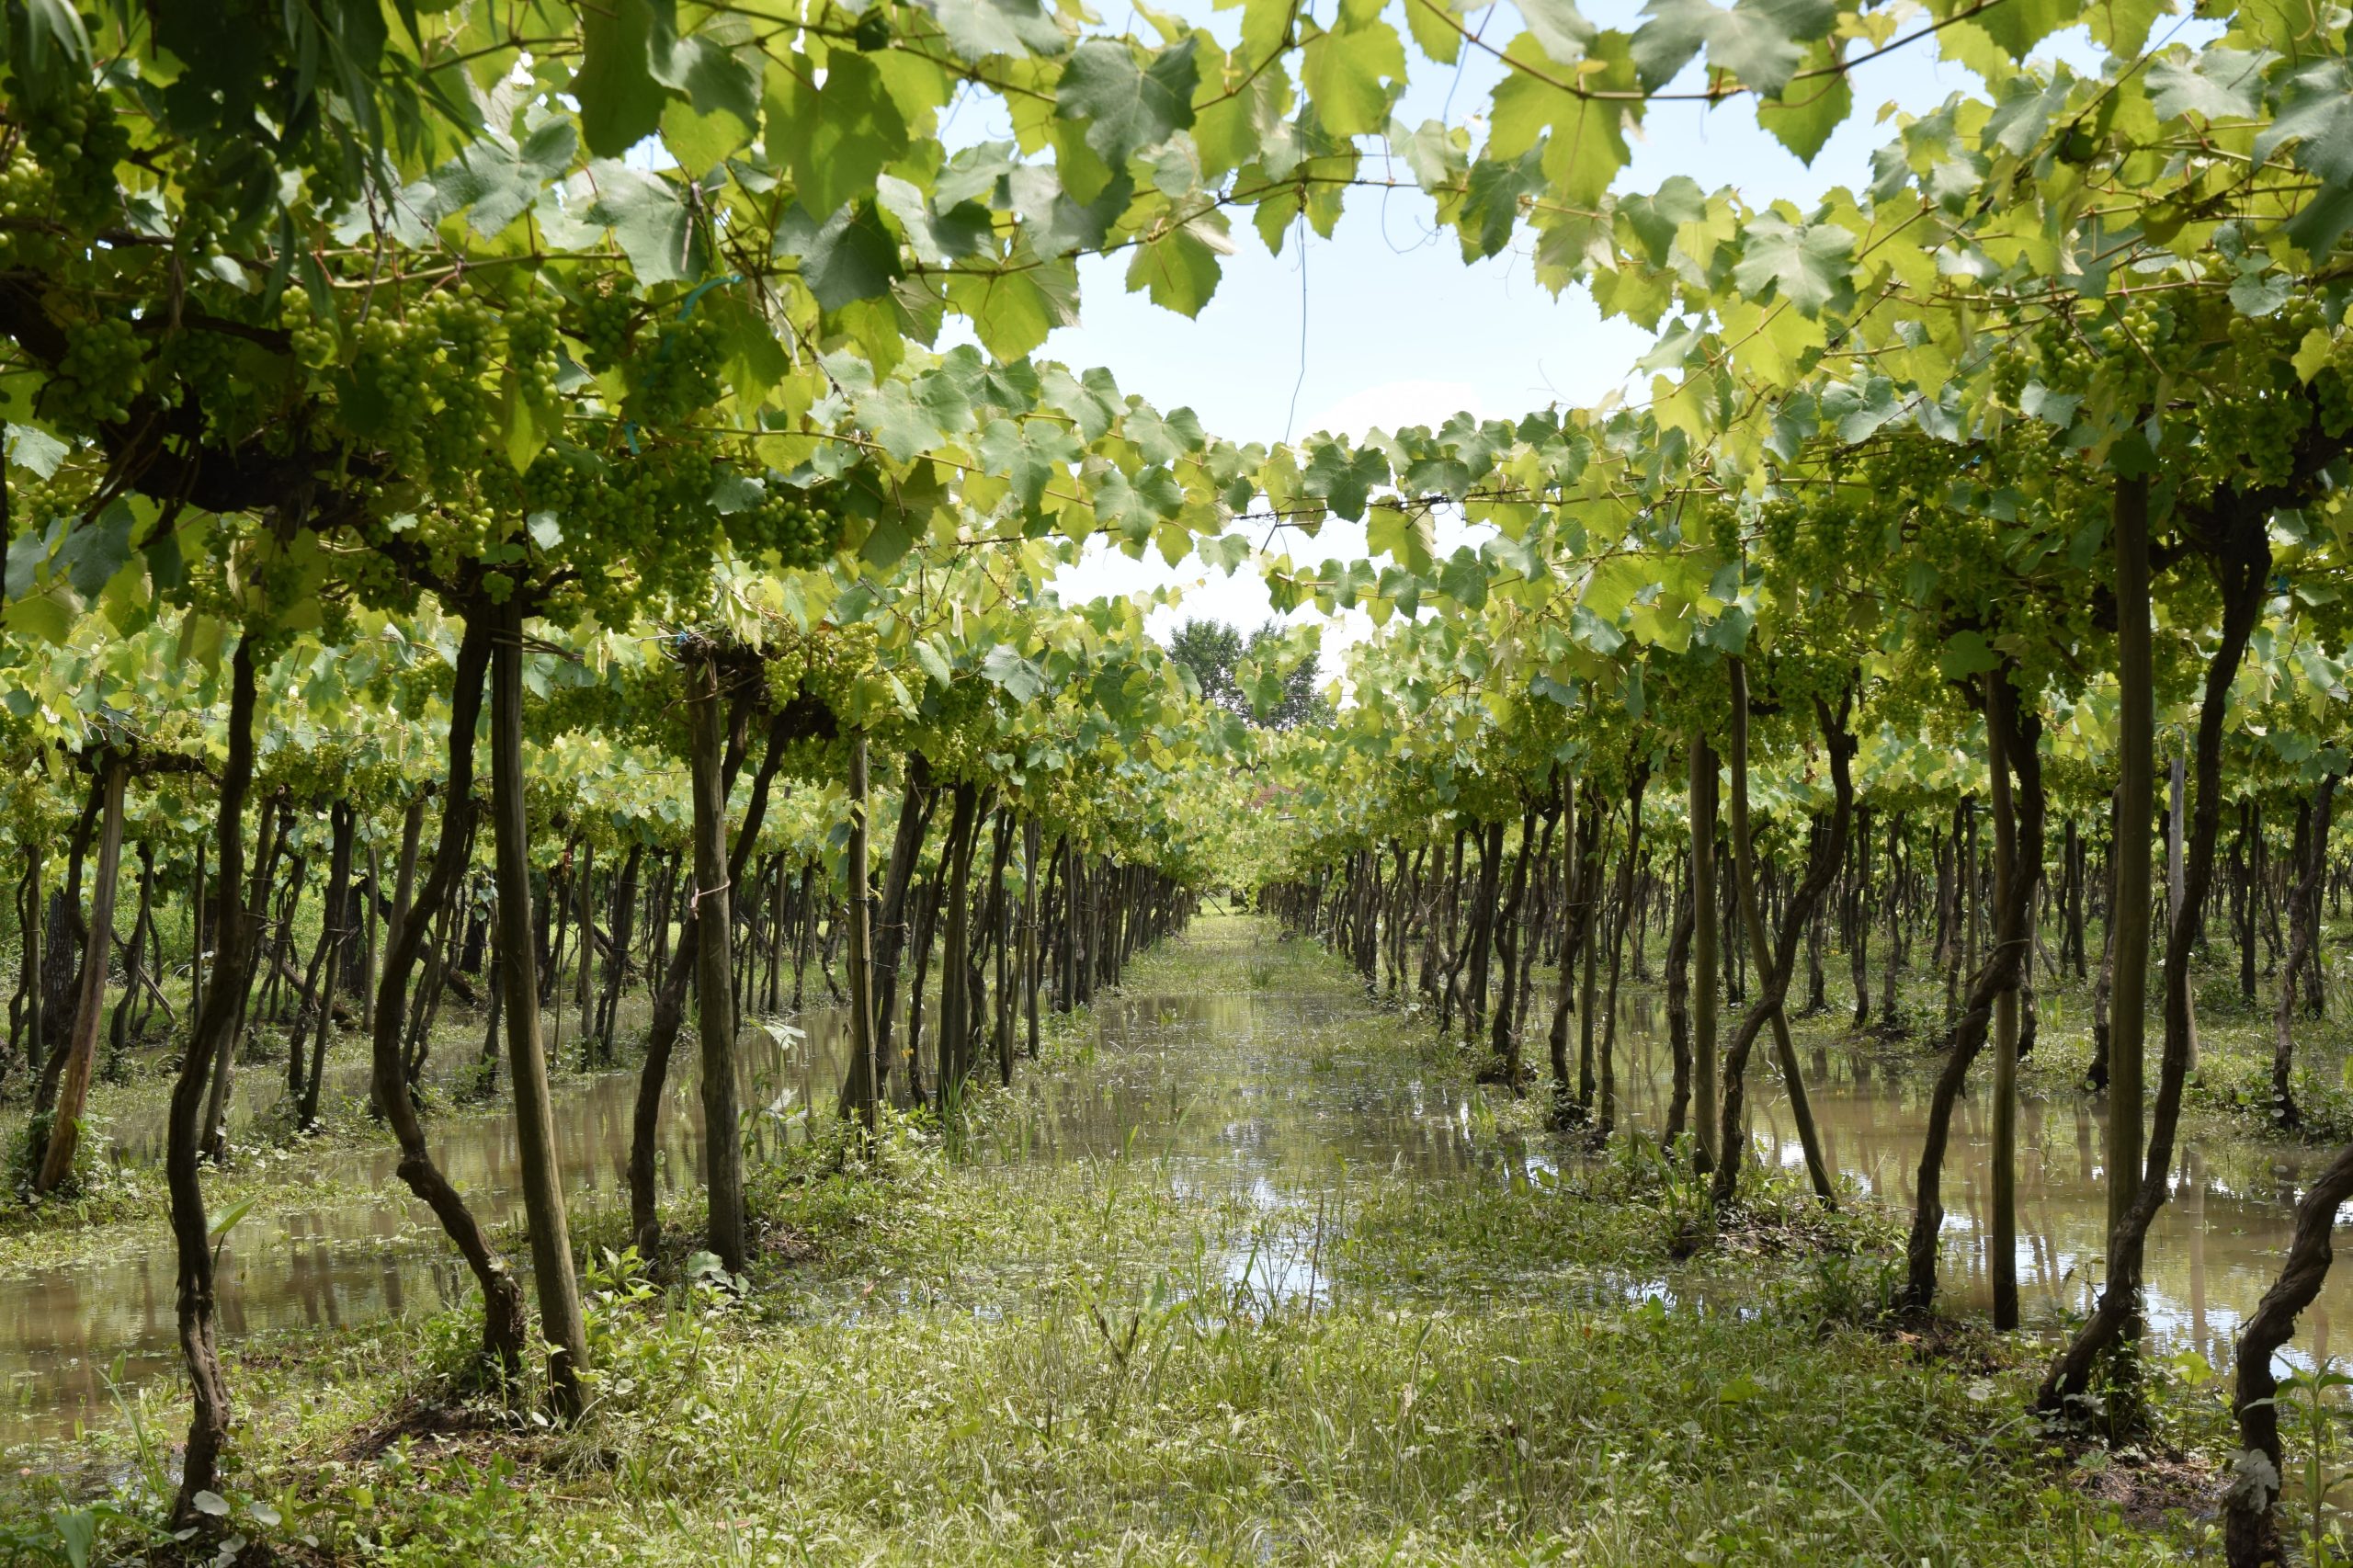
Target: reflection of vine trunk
(2242, 559)
(504, 1321)
(2021, 738)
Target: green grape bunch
(678, 379)
(605, 324)
(534, 341)
(800, 530)
(313, 337)
(102, 372)
(77, 138)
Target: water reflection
(1249, 1093)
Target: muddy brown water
(1215, 1086)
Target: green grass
(979, 1359)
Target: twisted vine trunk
(955, 881)
(2249, 1538)
(2303, 922)
(866, 1050)
(505, 1321)
(1773, 970)
(1577, 921)
(1503, 1039)
(1624, 900)
(1678, 1007)
(670, 997)
(1705, 997)
(342, 820)
(1775, 966)
(89, 1004)
(561, 1323)
(722, 1152)
(2241, 560)
(235, 927)
(2009, 869)
(2022, 736)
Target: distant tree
(1280, 673)
(1210, 649)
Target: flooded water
(1216, 1088)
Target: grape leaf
(1806, 113)
(714, 78)
(1435, 28)
(1343, 72)
(2315, 111)
(97, 550)
(1806, 262)
(1019, 678)
(1012, 311)
(1030, 454)
(1178, 267)
(35, 449)
(2217, 84)
(1965, 653)
(2023, 114)
(621, 103)
(1758, 40)
(2016, 25)
(497, 181)
(1125, 105)
(837, 138)
(937, 239)
(1091, 400)
(850, 258)
(1133, 506)
(1558, 26)
(1056, 224)
(1670, 37)
(978, 28)
(1345, 479)
(1163, 438)
(1491, 196)
(649, 221)
(899, 421)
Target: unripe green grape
(102, 372)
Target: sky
(1383, 324)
